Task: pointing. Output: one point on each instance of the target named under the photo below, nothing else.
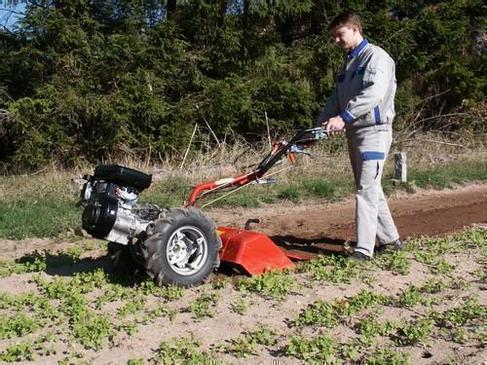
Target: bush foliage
(90, 80)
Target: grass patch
(444, 176)
(34, 216)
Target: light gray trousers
(368, 148)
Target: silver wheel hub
(187, 250)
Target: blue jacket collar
(356, 51)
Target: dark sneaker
(396, 245)
(359, 256)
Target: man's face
(346, 37)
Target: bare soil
(312, 226)
(330, 225)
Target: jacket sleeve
(330, 110)
(376, 78)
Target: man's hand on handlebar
(334, 126)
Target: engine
(110, 199)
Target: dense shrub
(87, 80)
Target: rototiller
(181, 246)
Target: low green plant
(33, 262)
(75, 251)
(369, 328)
(274, 284)
(134, 305)
(113, 292)
(246, 345)
(318, 313)
(17, 325)
(433, 286)
(321, 349)
(20, 352)
(410, 296)
(160, 311)
(396, 262)
(436, 264)
(328, 314)
(242, 346)
(387, 356)
(92, 330)
(135, 362)
(414, 332)
(183, 351)
(470, 311)
(365, 299)
(332, 268)
(239, 306)
(202, 306)
(292, 193)
(168, 292)
(320, 188)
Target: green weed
(327, 314)
(161, 311)
(414, 332)
(370, 328)
(319, 350)
(16, 326)
(436, 264)
(18, 353)
(319, 188)
(34, 262)
(135, 362)
(365, 299)
(113, 293)
(274, 284)
(239, 306)
(242, 346)
(387, 356)
(183, 351)
(202, 306)
(246, 345)
(395, 262)
(468, 312)
(92, 330)
(410, 297)
(134, 305)
(168, 292)
(332, 268)
(319, 313)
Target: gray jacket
(365, 90)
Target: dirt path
(423, 213)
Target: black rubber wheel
(123, 261)
(183, 249)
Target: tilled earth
(331, 225)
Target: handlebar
(296, 144)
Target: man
(362, 104)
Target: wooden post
(400, 167)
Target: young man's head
(346, 30)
